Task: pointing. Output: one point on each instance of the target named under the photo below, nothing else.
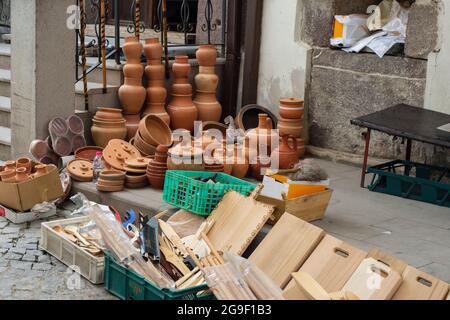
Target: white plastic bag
(354, 29)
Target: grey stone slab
(44, 259)
(18, 250)
(36, 253)
(3, 250)
(6, 245)
(10, 230)
(21, 265)
(42, 266)
(347, 228)
(3, 224)
(12, 256)
(29, 258)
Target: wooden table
(407, 122)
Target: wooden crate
(308, 208)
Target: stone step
(5, 112)
(5, 56)
(113, 74)
(96, 96)
(5, 83)
(5, 143)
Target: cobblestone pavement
(29, 273)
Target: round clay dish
(138, 163)
(143, 146)
(155, 131)
(108, 183)
(109, 189)
(134, 170)
(112, 175)
(119, 151)
(80, 170)
(87, 153)
(135, 179)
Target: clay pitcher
(288, 157)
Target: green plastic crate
(128, 285)
(182, 190)
(411, 180)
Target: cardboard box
(25, 195)
(309, 208)
(280, 187)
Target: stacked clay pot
(157, 168)
(186, 158)
(108, 124)
(132, 93)
(136, 173)
(21, 170)
(111, 181)
(152, 132)
(182, 111)
(155, 73)
(287, 156)
(291, 122)
(209, 109)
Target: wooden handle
(255, 193)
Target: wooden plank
(373, 280)
(331, 265)
(286, 247)
(237, 221)
(418, 285)
(389, 260)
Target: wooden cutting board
(418, 285)
(331, 265)
(385, 258)
(373, 280)
(237, 221)
(286, 247)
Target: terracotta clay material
(214, 125)
(24, 163)
(7, 174)
(112, 175)
(10, 165)
(257, 169)
(155, 131)
(104, 188)
(75, 125)
(87, 153)
(39, 148)
(103, 132)
(132, 49)
(138, 163)
(119, 151)
(287, 156)
(207, 55)
(109, 114)
(134, 170)
(110, 183)
(291, 108)
(41, 170)
(80, 170)
(156, 182)
(248, 117)
(136, 178)
(145, 148)
(291, 127)
(300, 147)
(132, 125)
(22, 175)
(156, 170)
(263, 135)
(241, 164)
(185, 158)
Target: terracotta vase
(132, 125)
(206, 81)
(155, 73)
(24, 163)
(287, 156)
(102, 134)
(132, 94)
(182, 111)
(291, 108)
(290, 127)
(21, 175)
(262, 136)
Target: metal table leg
(366, 157)
(408, 155)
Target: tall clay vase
(206, 81)
(155, 73)
(132, 94)
(182, 111)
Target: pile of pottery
(23, 169)
(157, 168)
(152, 132)
(290, 122)
(108, 124)
(209, 109)
(80, 170)
(132, 93)
(136, 170)
(111, 181)
(186, 158)
(117, 153)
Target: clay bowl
(136, 185)
(62, 146)
(248, 117)
(103, 188)
(24, 163)
(291, 108)
(109, 114)
(107, 124)
(135, 178)
(155, 131)
(101, 120)
(7, 174)
(75, 125)
(108, 183)
(143, 146)
(156, 182)
(112, 175)
(87, 153)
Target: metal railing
(102, 9)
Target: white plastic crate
(87, 265)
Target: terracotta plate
(80, 170)
(117, 152)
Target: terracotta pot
(287, 156)
(112, 175)
(291, 108)
(258, 168)
(142, 146)
(206, 79)
(109, 124)
(181, 69)
(206, 55)
(161, 154)
(209, 109)
(102, 135)
(155, 173)
(7, 174)
(290, 127)
(2, 168)
(87, 153)
(182, 111)
(153, 51)
(21, 175)
(39, 148)
(300, 147)
(132, 49)
(110, 183)
(41, 170)
(132, 125)
(75, 125)
(10, 165)
(133, 71)
(132, 96)
(109, 114)
(155, 131)
(248, 117)
(24, 163)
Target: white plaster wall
(283, 57)
(437, 96)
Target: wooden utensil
(74, 231)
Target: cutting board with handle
(418, 285)
(387, 259)
(373, 280)
(286, 247)
(331, 264)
